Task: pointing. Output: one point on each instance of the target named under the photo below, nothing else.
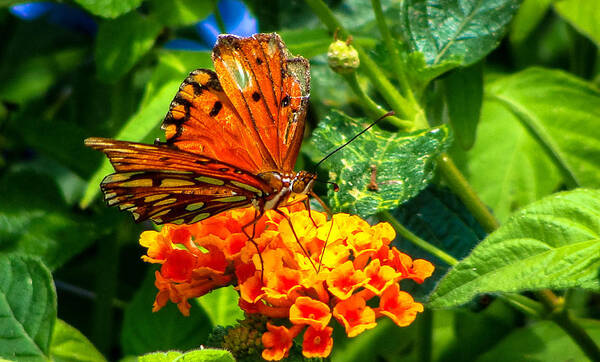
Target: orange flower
(158, 246)
(380, 277)
(309, 311)
(417, 270)
(344, 280)
(278, 341)
(355, 315)
(317, 342)
(178, 266)
(251, 289)
(399, 306)
(306, 272)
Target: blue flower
(237, 20)
(59, 14)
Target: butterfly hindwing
(166, 185)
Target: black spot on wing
(216, 109)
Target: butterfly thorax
(285, 185)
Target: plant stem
(563, 318)
(84, 293)
(463, 190)
(524, 304)
(369, 105)
(106, 289)
(392, 51)
(399, 104)
(566, 321)
(408, 235)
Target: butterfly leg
(296, 236)
(322, 203)
(306, 203)
(257, 215)
(325, 246)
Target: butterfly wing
(251, 112)
(167, 185)
(202, 120)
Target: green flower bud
(245, 339)
(342, 57)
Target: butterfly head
(302, 183)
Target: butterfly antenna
(390, 113)
(336, 187)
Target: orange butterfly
(232, 139)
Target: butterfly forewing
(166, 185)
(249, 113)
(202, 120)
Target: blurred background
(75, 69)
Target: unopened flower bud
(342, 57)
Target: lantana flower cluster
(327, 271)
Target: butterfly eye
(298, 186)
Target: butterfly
(232, 139)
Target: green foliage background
(507, 89)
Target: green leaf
(553, 243)
(122, 42)
(438, 216)
(402, 164)
(542, 341)
(6, 3)
(109, 8)
(221, 305)
(43, 225)
(443, 29)
(136, 129)
(388, 342)
(562, 113)
(27, 308)
(68, 344)
(174, 65)
(530, 14)
(387, 339)
(420, 73)
(483, 329)
(180, 12)
(145, 331)
(417, 71)
(306, 42)
(203, 355)
(32, 77)
(172, 69)
(464, 96)
(583, 15)
(512, 173)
